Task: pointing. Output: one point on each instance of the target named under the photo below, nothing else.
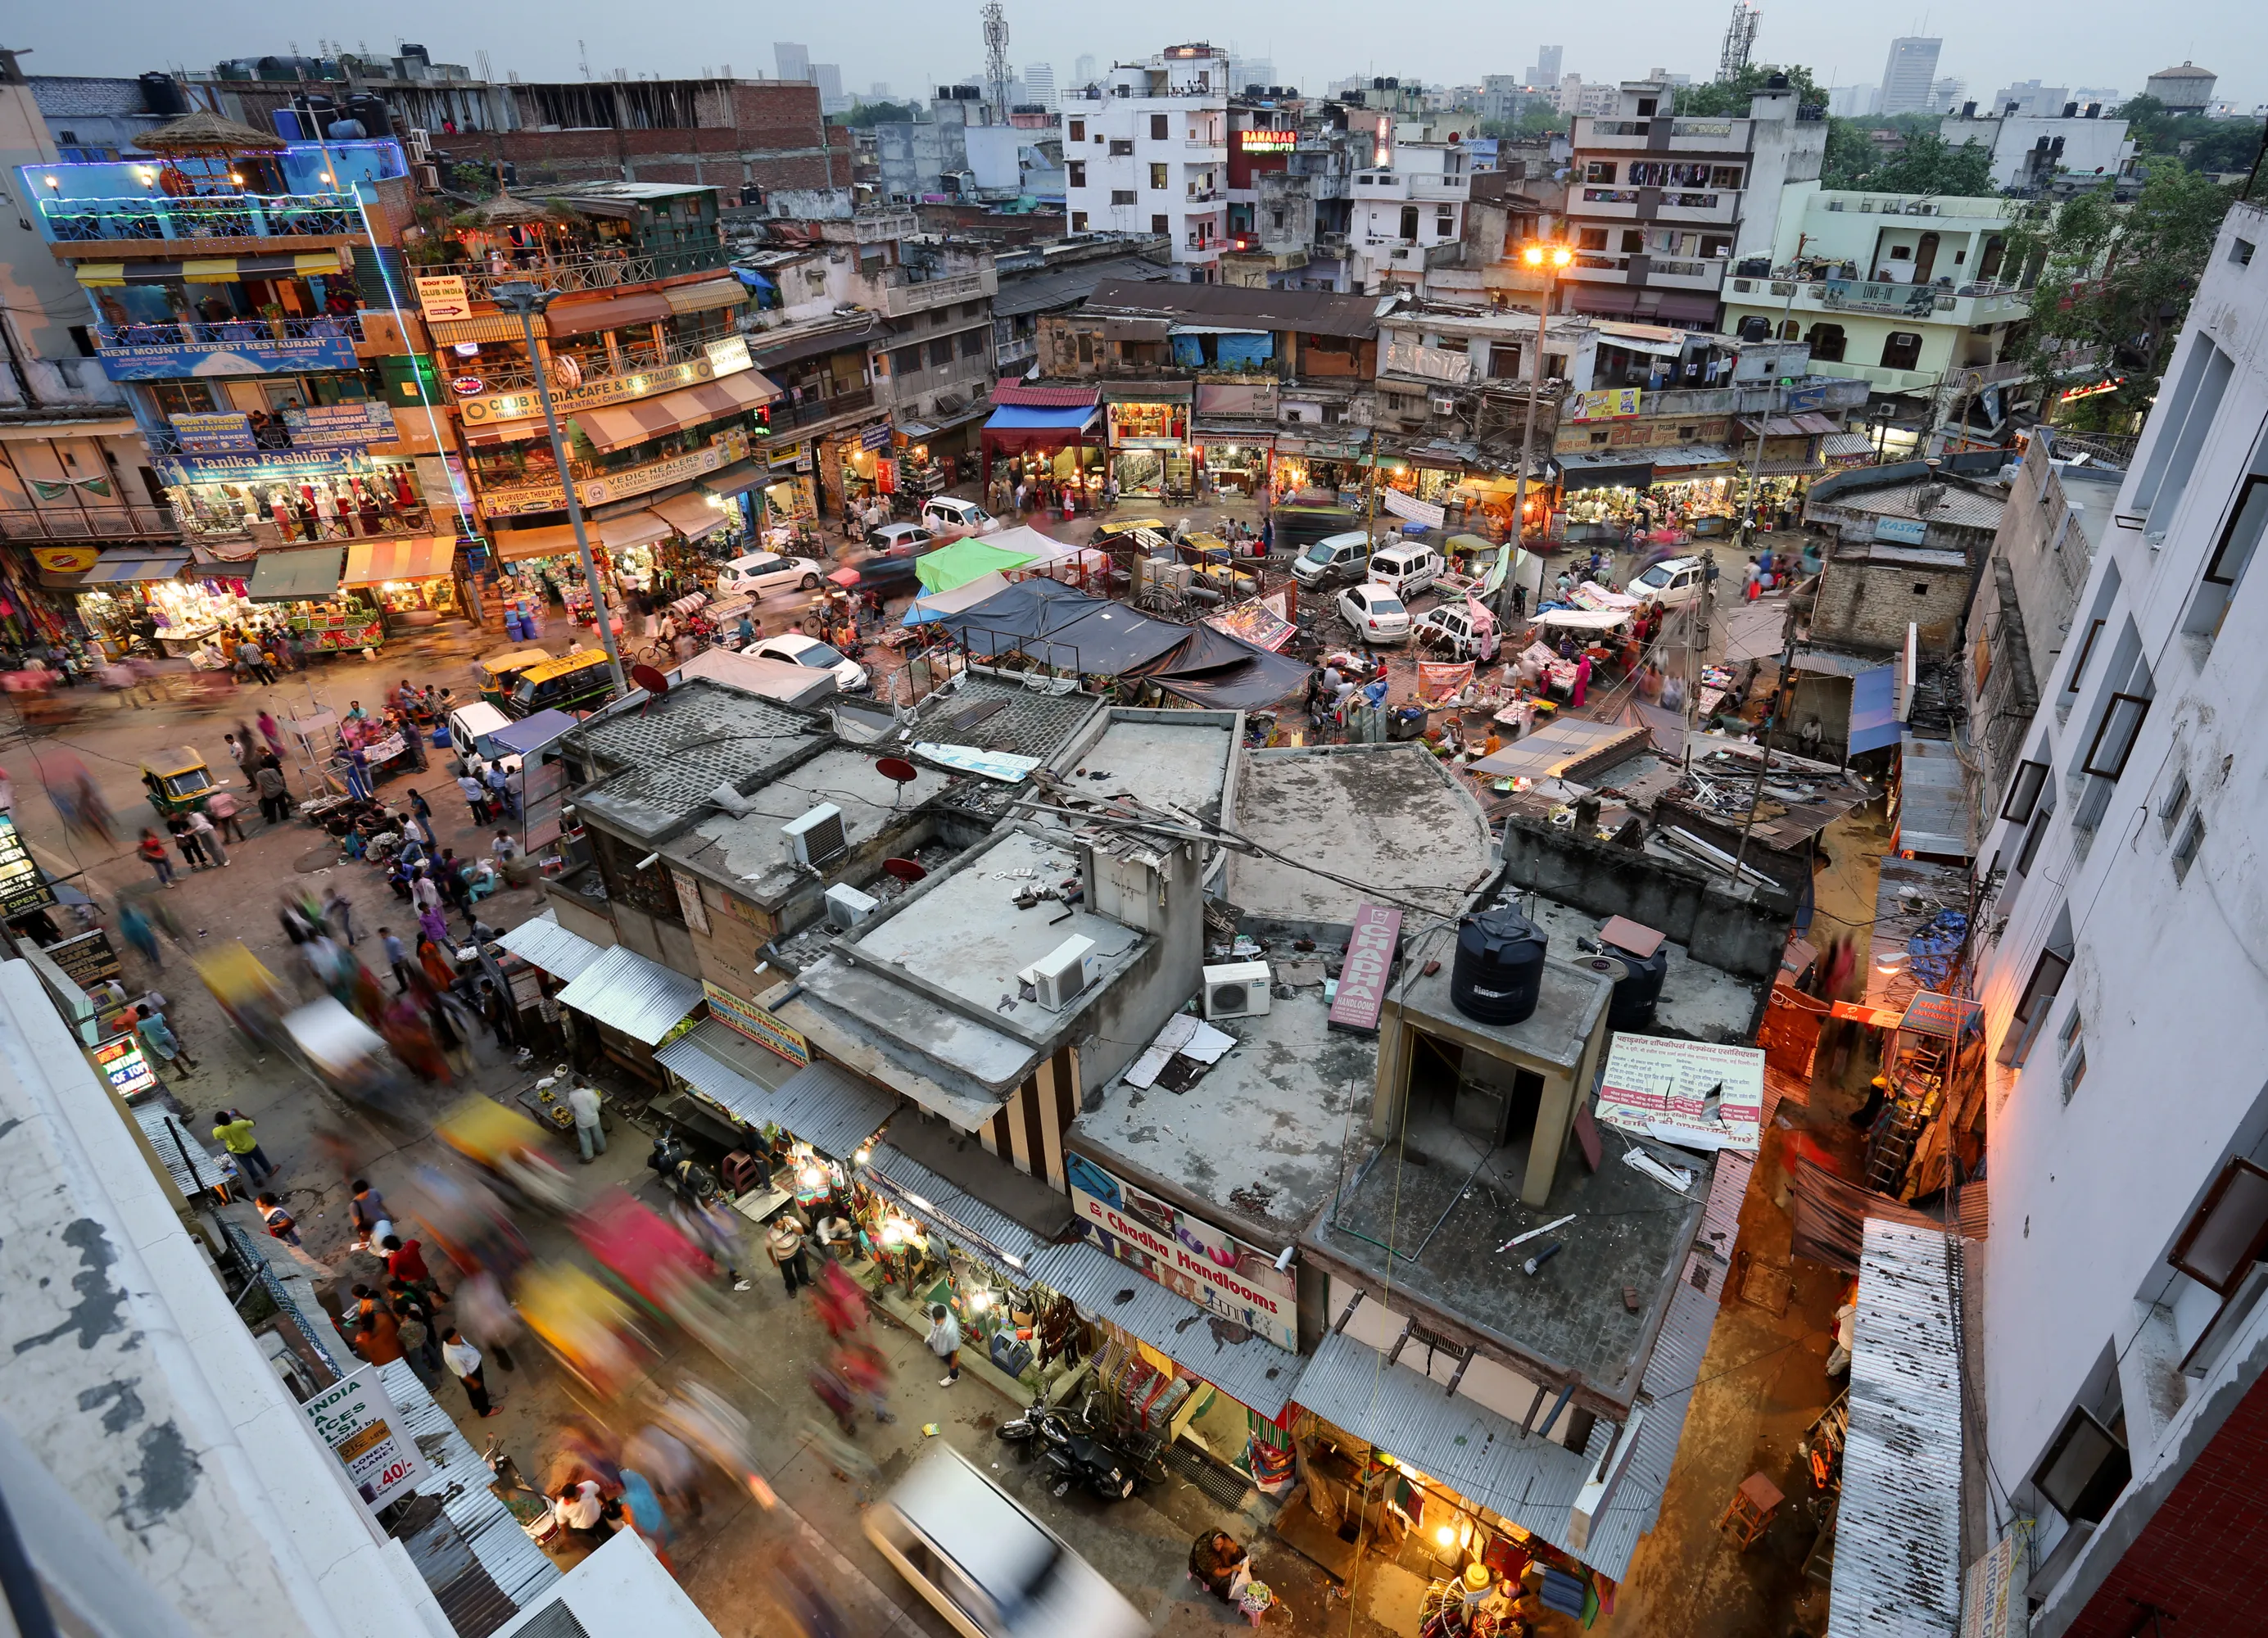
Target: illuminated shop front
(1149, 445)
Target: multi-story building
(2028, 96)
(1406, 213)
(2116, 1360)
(1039, 85)
(1145, 151)
(1661, 206)
(931, 354)
(1909, 75)
(2069, 142)
(1911, 294)
(1038, 280)
(792, 61)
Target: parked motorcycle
(1082, 1459)
(687, 1178)
(529, 1506)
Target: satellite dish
(904, 870)
(899, 773)
(649, 680)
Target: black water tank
(371, 111)
(1632, 1006)
(1498, 971)
(161, 93)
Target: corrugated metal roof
(1720, 1215)
(1248, 1368)
(997, 1238)
(1933, 809)
(623, 990)
(460, 1482)
(212, 1170)
(1897, 1544)
(1667, 1393)
(541, 941)
(1479, 1454)
(824, 1104)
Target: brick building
(1907, 541)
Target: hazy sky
(2090, 43)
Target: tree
(865, 114)
(2114, 281)
(1930, 164)
(1731, 96)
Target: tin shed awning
(1012, 1250)
(290, 577)
(541, 941)
(119, 566)
(823, 1104)
(625, 991)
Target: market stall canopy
(215, 270)
(969, 558)
(530, 734)
(1014, 429)
(627, 993)
(514, 545)
(1607, 470)
(133, 564)
(691, 514)
(289, 576)
(705, 296)
(1218, 671)
(1057, 627)
(737, 478)
(938, 605)
(1807, 424)
(1558, 746)
(834, 1111)
(631, 528)
(372, 562)
(1584, 618)
(623, 425)
(584, 318)
(541, 941)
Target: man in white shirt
(464, 1363)
(590, 1135)
(580, 1508)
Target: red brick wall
(2203, 1557)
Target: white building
(828, 77)
(1850, 102)
(2123, 1340)
(1909, 74)
(1403, 210)
(2029, 96)
(792, 61)
(2029, 151)
(1148, 153)
(1039, 84)
(1082, 69)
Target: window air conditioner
(1063, 975)
(1237, 989)
(816, 837)
(847, 908)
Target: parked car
(1335, 559)
(1453, 630)
(987, 1565)
(1407, 568)
(1671, 582)
(850, 676)
(1376, 614)
(889, 572)
(948, 514)
(899, 537)
(1299, 527)
(760, 573)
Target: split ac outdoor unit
(1236, 989)
(816, 837)
(848, 907)
(1445, 403)
(1063, 974)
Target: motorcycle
(1082, 1459)
(687, 1178)
(529, 1506)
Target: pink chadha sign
(1369, 959)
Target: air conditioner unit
(1445, 403)
(848, 907)
(1236, 989)
(1063, 975)
(816, 837)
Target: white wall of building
(2114, 1109)
(1170, 172)
(2090, 146)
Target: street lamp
(1548, 259)
(528, 299)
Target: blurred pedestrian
(233, 1128)
(275, 796)
(417, 1308)
(158, 1037)
(281, 1224)
(496, 1009)
(135, 928)
(338, 913)
(207, 838)
(643, 1509)
(661, 1455)
(867, 1373)
(366, 1208)
(716, 1229)
(397, 957)
(464, 1363)
(268, 730)
(944, 1339)
(377, 1337)
(486, 1314)
(580, 1507)
(226, 817)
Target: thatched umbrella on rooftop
(205, 152)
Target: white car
(1671, 582)
(1405, 569)
(948, 514)
(850, 676)
(763, 572)
(1375, 612)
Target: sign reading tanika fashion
(719, 359)
(1185, 1254)
(510, 500)
(267, 466)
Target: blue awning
(1873, 717)
(1025, 418)
(530, 733)
(754, 280)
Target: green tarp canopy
(966, 560)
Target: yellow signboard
(757, 1024)
(547, 497)
(1610, 405)
(488, 408)
(65, 560)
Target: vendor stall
(411, 578)
(300, 585)
(1149, 440)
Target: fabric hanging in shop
(1830, 1215)
(372, 562)
(513, 546)
(294, 576)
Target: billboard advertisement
(172, 361)
(1185, 1254)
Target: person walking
(580, 1507)
(944, 1341)
(281, 1223)
(192, 854)
(378, 1336)
(269, 731)
(153, 854)
(366, 1209)
(476, 798)
(338, 913)
(358, 772)
(397, 957)
(784, 1244)
(275, 796)
(424, 891)
(642, 1508)
(716, 1228)
(487, 1316)
(160, 1038)
(590, 1133)
(416, 1310)
(406, 1261)
(464, 1363)
(208, 839)
(233, 1128)
(227, 819)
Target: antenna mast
(996, 57)
(1740, 40)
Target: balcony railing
(1610, 195)
(596, 368)
(230, 217)
(88, 523)
(1204, 195)
(334, 326)
(1700, 128)
(786, 416)
(601, 270)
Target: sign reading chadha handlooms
(1185, 1254)
(1369, 962)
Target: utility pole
(528, 299)
(1547, 260)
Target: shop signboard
(1610, 405)
(1696, 1094)
(877, 437)
(442, 298)
(259, 353)
(729, 355)
(22, 888)
(227, 434)
(1803, 398)
(758, 1024)
(1268, 141)
(87, 960)
(1363, 976)
(1185, 1254)
(66, 560)
(477, 408)
(267, 466)
(614, 486)
(356, 1418)
(124, 1067)
(1411, 508)
(355, 426)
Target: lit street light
(1548, 260)
(528, 300)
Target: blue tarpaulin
(1024, 418)
(1874, 720)
(1243, 348)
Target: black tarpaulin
(1226, 673)
(1059, 626)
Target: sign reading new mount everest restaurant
(1185, 1254)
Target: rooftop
(1312, 312)
(1175, 761)
(659, 761)
(1903, 490)
(1698, 1001)
(751, 850)
(1062, 287)
(1258, 1138)
(1386, 816)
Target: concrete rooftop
(1388, 816)
(1567, 1004)
(753, 851)
(1168, 759)
(1258, 1138)
(1698, 1001)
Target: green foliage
(476, 180)
(1930, 164)
(2216, 145)
(2115, 281)
(865, 114)
(1731, 96)
(1535, 119)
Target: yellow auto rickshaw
(499, 673)
(178, 781)
(575, 682)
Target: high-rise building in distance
(1082, 69)
(828, 77)
(1909, 74)
(1039, 84)
(792, 61)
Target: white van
(1335, 559)
(1408, 568)
(988, 1567)
(472, 730)
(760, 572)
(949, 514)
